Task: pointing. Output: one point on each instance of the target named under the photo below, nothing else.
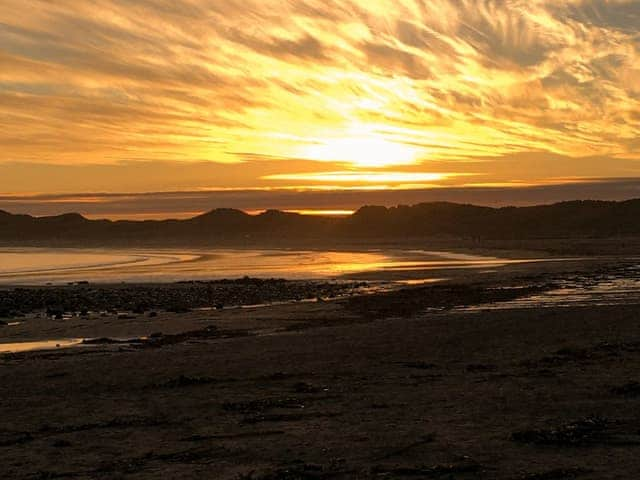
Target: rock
(591, 430)
(631, 389)
(61, 444)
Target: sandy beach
(411, 383)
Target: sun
(362, 151)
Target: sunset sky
(131, 97)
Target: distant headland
(436, 220)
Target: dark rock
(557, 474)
(9, 439)
(139, 309)
(304, 387)
(631, 389)
(185, 381)
(589, 431)
(61, 444)
(297, 472)
(262, 405)
(477, 368)
(436, 471)
(55, 312)
(179, 309)
(420, 365)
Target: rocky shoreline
(179, 297)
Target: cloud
(113, 81)
(303, 47)
(614, 14)
(389, 58)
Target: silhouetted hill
(576, 219)
(560, 220)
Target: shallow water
(618, 287)
(19, 347)
(40, 266)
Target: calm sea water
(38, 266)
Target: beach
(60, 266)
(431, 381)
(320, 240)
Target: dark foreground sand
(356, 388)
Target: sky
(317, 98)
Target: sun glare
(359, 177)
(323, 212)
(364, 151)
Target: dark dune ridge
(438, 220)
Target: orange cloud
(364, 85)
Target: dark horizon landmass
(130, 205)
(436, 220)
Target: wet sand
(41, 266)
(404, 384)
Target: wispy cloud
(419, 82)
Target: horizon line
(185, 203)
(329, 213)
